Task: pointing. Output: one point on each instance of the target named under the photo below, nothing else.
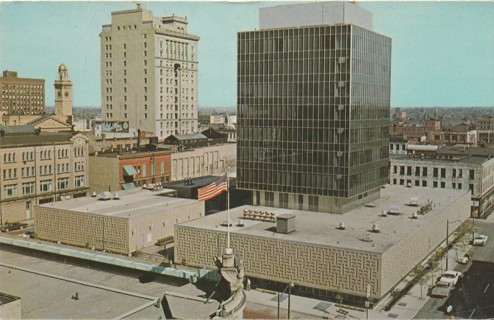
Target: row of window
(11, 157)
(436, 172)
(21, 86)
(435, 184)
(29, 188)
(44, 170)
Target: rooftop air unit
(285, 223)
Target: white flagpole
(228, 207)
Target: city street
(472, 297)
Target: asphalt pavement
(473, 296)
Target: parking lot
(473, 295)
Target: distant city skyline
(442, 51)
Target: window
(63, 183)
(79, 181)
(10, 191)
(471, 175)
(424, 171)
(470, 187)
(435, 172)
(443, 184)
(28, 188)
(10, 173)
(443, 172)
(79, 152)
(424, 183)
(434, 184)
(45, 186)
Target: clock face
(66, 94)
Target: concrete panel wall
(82, 229)
(322, 267)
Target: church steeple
(63, 95)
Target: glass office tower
(313, 116)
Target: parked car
(12, 226)
(463, 260)
(480, 240)
(442, 289)
(450, 276)
(27, 234)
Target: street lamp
(447, 240)
(289, 287)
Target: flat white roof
(322, 228)
(132, 203)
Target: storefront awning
(129, 171)
(128, 186)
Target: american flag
(213, 189)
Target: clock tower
(63, 95)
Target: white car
(442, 289)
(463, 260)
(480, 240)
(450, 276)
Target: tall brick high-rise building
(21, 95)
(149, 73)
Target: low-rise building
(452, 135)
(10, 306)
(187, 141)
(38, 167)
(326, 255)
(215, 136)
(137, 219)
(120, 170)
(212, 160)
(458, 168)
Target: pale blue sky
(443, 52)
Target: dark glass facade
(313, 114)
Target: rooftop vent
(115, 196)
(415, 215)
(384, 213)
(409, 185)
(225, 223)
(414, 201)
(285, 223)
(394, 209)
(371, 204)
(240, 223)
(341, 226)
(93, 194)
(375, 228)
(105, 195)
